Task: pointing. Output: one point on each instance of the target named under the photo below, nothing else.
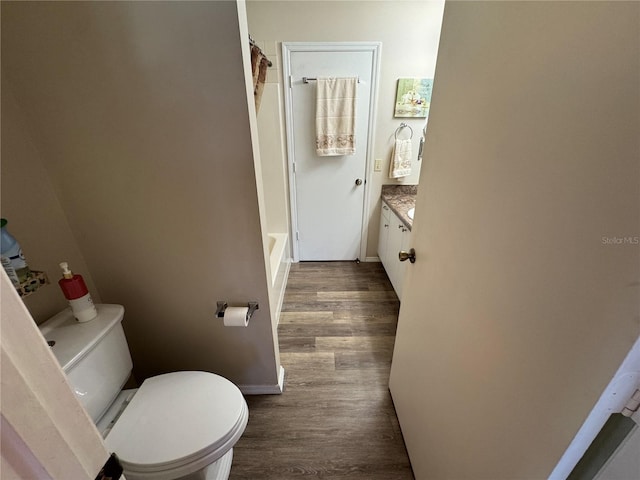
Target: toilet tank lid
(73, 340)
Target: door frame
(612, 400)
(46, 432)
(290, 47)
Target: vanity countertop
(400, 198)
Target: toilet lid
(177, 418)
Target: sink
(411, 212)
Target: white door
(521, 304)
(328, 193)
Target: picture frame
(413, 97)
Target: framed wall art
(413, 97)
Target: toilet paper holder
(222, 306)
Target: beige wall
(35, 215)
(516, 314)
(140, 114)
(409, 32)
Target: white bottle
(12, 258)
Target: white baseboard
(276, 389)
(372, 259)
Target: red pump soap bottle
(77, 293)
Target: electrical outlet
(377, 166)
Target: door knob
(358, 181)
(404, 256)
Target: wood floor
(335, 418)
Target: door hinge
(112, 469)
(297, 235)
(294, 167)
(290, 81)
(632, 405)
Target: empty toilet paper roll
(236, 317)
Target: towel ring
(403, 125)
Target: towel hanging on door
(336, 116)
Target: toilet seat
(177, 424)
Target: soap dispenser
(77, 293)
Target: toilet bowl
(179, 425)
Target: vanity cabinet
(393, 237)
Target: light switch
(377, 166)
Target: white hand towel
(336, 116)
(400, 165)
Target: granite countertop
(400, 198)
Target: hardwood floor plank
(316, 329)
(297, 344)
(366, 317)
(302, 467)
(335, 418)
(369, 378)
(359, 360)
(306, 317)
(322, 317)
(385, 307)
(303, 361)
(350, 344)
(355, 296)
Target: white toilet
(180, 425)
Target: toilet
(180, 425)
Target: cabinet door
(395, 245)
(405, 244)
(383, 236)
(393, 236)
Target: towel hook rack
(253, 43)
(313, 79)
(404, 125)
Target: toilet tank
(94, 355)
